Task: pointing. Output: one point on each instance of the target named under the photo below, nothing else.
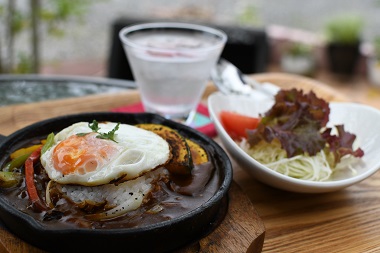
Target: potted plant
(343, 43)
(373, 62)
(298, 58)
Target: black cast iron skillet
(161, 237)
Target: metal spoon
(230, 80)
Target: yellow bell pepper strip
(23, 151)
(29, 178)
(19, 156)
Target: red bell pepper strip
(29, 177)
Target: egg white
(139, 151)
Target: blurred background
(78, 37)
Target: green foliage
(52, 17)
(24, 65)
(19, 22)
(56, 13)
(249, 16)
(344, 28)
(376, 45)
(299, 49)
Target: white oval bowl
(359, 119)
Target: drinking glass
(171, 64)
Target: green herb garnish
(110, 135)
(94, 126)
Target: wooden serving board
(242, 230)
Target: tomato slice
(236, 124)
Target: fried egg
(78, 156)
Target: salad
(292, 137)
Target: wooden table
(241, 229)
(343, 221)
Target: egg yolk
(82, 154)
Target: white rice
(115, 195)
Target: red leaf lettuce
(297, 120)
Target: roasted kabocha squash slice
(198, 154)
(181, 162)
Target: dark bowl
(160, 237)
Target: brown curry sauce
(176, 196)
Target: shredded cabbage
(314, 168)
